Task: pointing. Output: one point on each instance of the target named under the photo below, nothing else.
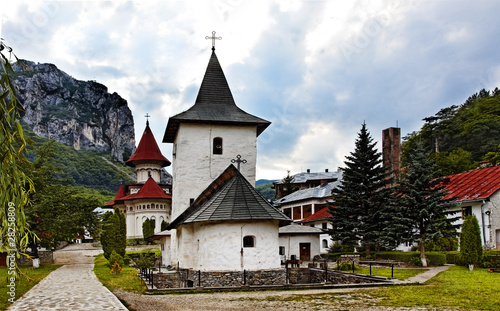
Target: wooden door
(305, 251)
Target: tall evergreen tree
(471, 249)
(359, 203)
(424, 209)
(148, 229)
(114, 234)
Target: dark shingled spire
(214, 105)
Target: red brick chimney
(391, 149)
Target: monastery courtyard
(75, 287)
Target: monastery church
(218, 221)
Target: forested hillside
(460, 136)
(90, 171)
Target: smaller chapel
(148, 198)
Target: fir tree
(359, 203)
(148, 229)
(424, 211)
(471, 249)
(114, 234)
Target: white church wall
(165, 250)
(195, 166)
(218, 246)
(138, 212)
(143, 171)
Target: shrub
(143, 261)
(335, 248)
(415, 261)
(436, 259)
(115, 258)
(471, 249)
(116, 268)
(346, 266)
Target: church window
(148, 207)
(249, 241)
(325, 243)
(324, 226)
(466, 211)
(217, 145)
(282, 250)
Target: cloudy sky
(317, 69)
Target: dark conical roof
(214, 104)
(147, 150)
(229, 197)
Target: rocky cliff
(76, 113)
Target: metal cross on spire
(238, 160)
(213, 37)
(147, 118)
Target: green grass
(24, 282)
(126, 281)
(455, 288)
(400, 274)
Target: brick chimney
(391, 149)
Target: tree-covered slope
(460, 136)
(90, 171)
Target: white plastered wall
(218, 246)
(291, 242)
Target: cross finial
(238, 160)
(147, 118)
(213, 37)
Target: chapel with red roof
(148, 198)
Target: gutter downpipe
(482, 221)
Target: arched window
(325, 243)
(217, 145)
(249, 241)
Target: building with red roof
(148, 198)
(477, 193)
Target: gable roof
(319, 215)
(150, 190)
(119, 194)
(473, 185)
(319, 192)
(214, 105)
(294, 228)
(147, 150)
(304, 177)
(229, 197)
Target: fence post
(392, 271)
(286, 272)
(199, 278)
(244, 277)
(353, 265)
(370, 268)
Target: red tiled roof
(147, 150)
(119, 194)
(473, 185)
(150, 190)
(319, 215)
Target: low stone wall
(191, 278)
(46, 258)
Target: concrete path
(73, 286)
(424, 277)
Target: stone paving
(71, 287)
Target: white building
(147, 198)
(300, 242)
(206, 139)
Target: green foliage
(463, 135)
(346, 266)
(145, 260)
(126, 281)
(266, 190)
(362, 209)
(288, 186)
(114, 234)
(57, 212)
(84, 169)
(14, 184)
(424, 212)
(148, 229)
(114, 257)
(164, 225)
(415, 261)
(471, 249)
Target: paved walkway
(424, 277)
(71, 287)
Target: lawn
(127, 280)
(24, 282)
(457, 287)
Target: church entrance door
(305, 251)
